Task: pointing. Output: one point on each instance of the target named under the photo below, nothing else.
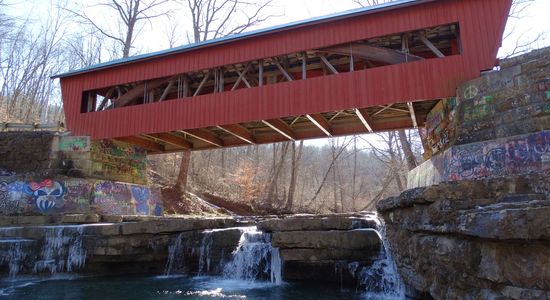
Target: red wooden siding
(481, 25)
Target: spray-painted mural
(439, 126)
(118, 161)
(47, 195)
(74, 143)
(496, 158)
(76, 195)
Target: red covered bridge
(360, 71)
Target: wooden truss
(406, 47)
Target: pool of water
(171, 287)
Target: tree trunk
(293, 174)
(407, 150)
(181, 182)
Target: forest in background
(343, 174)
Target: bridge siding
(481, 23)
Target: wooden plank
(138, 90)
(328, 64)
(205, 136)
(363, 116)
(413, 114)
(321, 123)
(145, 144)
(281, 127)
(285, 74)
(239, 132)
(203, 82)
(242, 77)
(173, 140)
(368, 52)
(429, 44)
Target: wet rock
(80, 218)
(336, 222)
(359, 239)
(485, 239)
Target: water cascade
(381, 279)
(254, 258)
(59, 249)
(175, 250)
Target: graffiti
(4, 172)
(78, 195)
(547, 95)
(118, 161)
(113, 198)
(74, 143)
(47, 194)
(500, 158)
(470, 92)
(439, 125)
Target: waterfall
(205, 252)
(60, 250)
(381, 279)
(175, 250)
(254, 258)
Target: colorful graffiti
(47, 195)
(76, 195)
(119, 161)
(114, 198)
(439, 126)
(74, 143)
(496, 158)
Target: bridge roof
(365, 70)
(248, 34)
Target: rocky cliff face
(484, 239)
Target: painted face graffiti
(47, 194)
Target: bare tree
(214, 18)
(131, 16)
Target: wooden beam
(281, 127)
(413, 114)
(321, 123)
(203, 82)
(368, 52)
(429, 44)
(239, 132)
(205, 136)
(285, 74)
(384, 107)
(145, 144)
(139, 90)
(304, 65)
(242, 77)
(167, 90)
(107, 97)
(261, 72)
(172, 140)
(328, 64)
(363, 115)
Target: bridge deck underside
(330, 124)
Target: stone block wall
(22, 152)
(499, 126)
(104, 159)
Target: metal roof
(249, 34)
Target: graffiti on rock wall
(500, 158)
(113, 198)
(8, 205)
(119, 161)
(74, 143)
(439, 125)
(78, 194)
(47, 195)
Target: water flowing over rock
(254, 258)
(60, 249)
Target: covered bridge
(372, 69)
